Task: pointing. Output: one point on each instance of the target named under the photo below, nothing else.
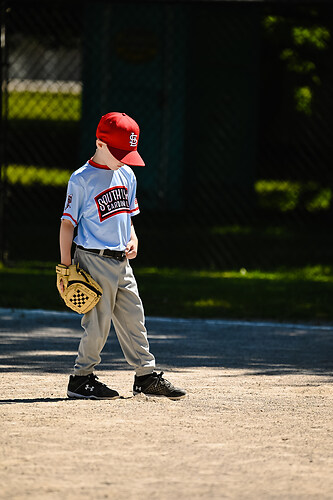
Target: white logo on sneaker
(89, 387)
(137, 388)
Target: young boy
(101, 201)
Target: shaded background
(234, 102)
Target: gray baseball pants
(121, 304)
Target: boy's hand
(61, 287)
(131, 249)
(62, 278)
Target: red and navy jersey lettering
(111, 202)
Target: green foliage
(303, 98)
(27, 176)
(294, 63)
(316, 36)
(302, 42)
(286, 196)
(270, 23)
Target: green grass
(44, 106)
(303, 294)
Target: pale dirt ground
(257, 422)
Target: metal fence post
(3, 126)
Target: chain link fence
(234, 102)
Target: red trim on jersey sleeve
(136, 207)
(69, 215)
(134, 210)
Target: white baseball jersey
(101, 202)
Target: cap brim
(131, 158)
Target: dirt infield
(257, 422)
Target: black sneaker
(89, 387)
(155, 385)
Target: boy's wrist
(66, 262)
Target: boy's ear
(99, 143)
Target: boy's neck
(97, 158)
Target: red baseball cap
(121, 134)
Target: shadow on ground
(40, 341)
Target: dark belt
(114, 254)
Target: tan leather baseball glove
(77, 288)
